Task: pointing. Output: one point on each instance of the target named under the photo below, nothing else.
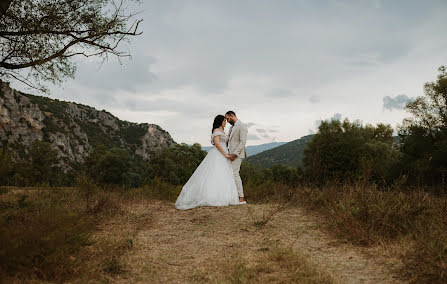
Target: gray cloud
(194, 47)
(280, 93)
(253, 137)
(398, 102)
(112, 75)
(260, 130)
(336, 116)
(314, 99)
(195, 58)
(142, 105)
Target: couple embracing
(216, 181)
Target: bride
(212, 183)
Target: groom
(236, 145)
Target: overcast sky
(282, 66)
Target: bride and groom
(216, 181)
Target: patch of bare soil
(237, 244)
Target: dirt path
(233, 244)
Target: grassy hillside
(289, 154)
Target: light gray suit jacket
(238, 139)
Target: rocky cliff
(72, 129)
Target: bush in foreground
(41, 230)
(366, 215)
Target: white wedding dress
(212, 183)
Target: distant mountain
(256, 149)
(289, 154)
(72, 129)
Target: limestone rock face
(72, 129)
(153, 140)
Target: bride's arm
(216, 140)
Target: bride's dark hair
(217, 122)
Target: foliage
(279, 173)
(176, 164)
(38, 234)
(132, 133)
(42, 36)
(39, 167)
(95, 134)
(43, 231)
(113, 166)
(43, 158)
(55, 106)
(347, 151)
(6, 166)
(424, 135)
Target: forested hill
(72, 129)
(289, 154)
(254, 149)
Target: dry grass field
(142, 240)
(236, 245)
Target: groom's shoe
(242, 200)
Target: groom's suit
(236, 145)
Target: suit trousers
(236, 165)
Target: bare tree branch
(4, 5)
(41, 36)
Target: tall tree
(348, 151)
(424, 134)
(430, 111)
(38, 38)
(43, 158)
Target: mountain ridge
(72, 129)
(290, 154)
(254, 149)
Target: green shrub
(43, 158)
(177, 163)
(114, 166)
(349, 152)
(39, 233)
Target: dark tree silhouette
(38, 38)
(424, 134)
